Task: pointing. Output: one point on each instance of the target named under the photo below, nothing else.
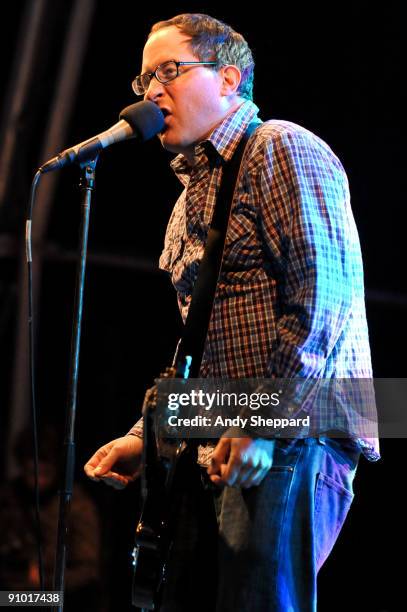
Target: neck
(189, 152)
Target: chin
(170, 145)
(174, 145)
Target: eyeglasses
(168, 71)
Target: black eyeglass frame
(134, 83)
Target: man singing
(289, 303)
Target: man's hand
(116, 463)
(241, 462)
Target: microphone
(142, 121)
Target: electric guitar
(153, 538)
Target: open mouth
(166, 114)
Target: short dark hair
(211, 40)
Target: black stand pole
(87, 182)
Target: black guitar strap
(196, 325)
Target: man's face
(195, 100)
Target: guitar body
(150, 552)
(153, 537)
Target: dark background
(340, 73)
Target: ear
(231, 77)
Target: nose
(155, 90)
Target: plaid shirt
(290, 298)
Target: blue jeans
(260, 551)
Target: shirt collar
(223, 140)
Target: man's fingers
(243, 470)
(116, 463)
(110, 478)
(219, 456)
(90, 467)
(237, 462)
(247, 472)
(114, 480)
(256, 479)
(248, 463)
(258, 474)
(101, 461)
(218, 479)
(227, 472)
(107, 462)
(93, 463)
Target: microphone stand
(87, 183)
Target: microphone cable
(37, 521)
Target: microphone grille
(145, 118)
